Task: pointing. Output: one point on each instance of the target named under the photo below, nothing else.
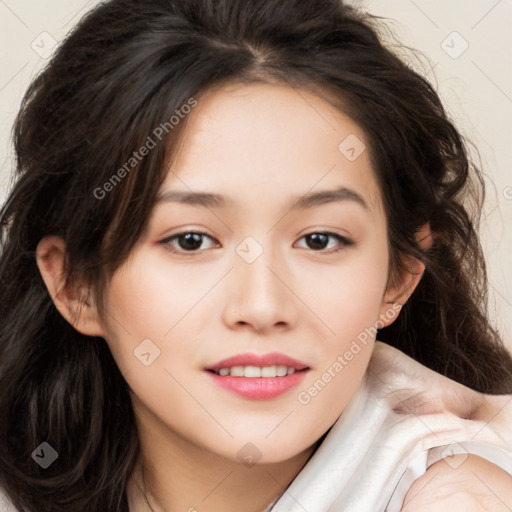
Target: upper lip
(261, 360)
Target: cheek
(147, 305)
(154, 296)
(350, 305)
(347, 296)
(153, 340)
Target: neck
(173, 474)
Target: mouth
(258, 377)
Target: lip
(250, 359)
(258, 388)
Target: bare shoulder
(461, 482)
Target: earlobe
(70, 299)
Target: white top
(403, 418)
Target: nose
(260, 296)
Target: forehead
(271, 140)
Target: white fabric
(380, 445)
(5, 504)
(402, 419)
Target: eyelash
(343, 241)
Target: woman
(219, 205)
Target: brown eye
(321, 240)
(186, 242)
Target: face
(277, 269)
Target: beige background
(467, 42)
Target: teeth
(282, 371)
(252, 371)
(256, 371)
(237, 371)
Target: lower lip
(259, 388)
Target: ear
(70, 299)
(398, 294)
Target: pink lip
(271, 359)
(258, 388)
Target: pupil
(190, 241)
(318, 240)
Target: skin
(261, 146)
(468, 483)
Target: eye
(193, 242)
(319, 241)
(190, 241)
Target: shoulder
(461, 482)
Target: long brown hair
(124, 71)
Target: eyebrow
(310, 200)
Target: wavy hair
(125, 69)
